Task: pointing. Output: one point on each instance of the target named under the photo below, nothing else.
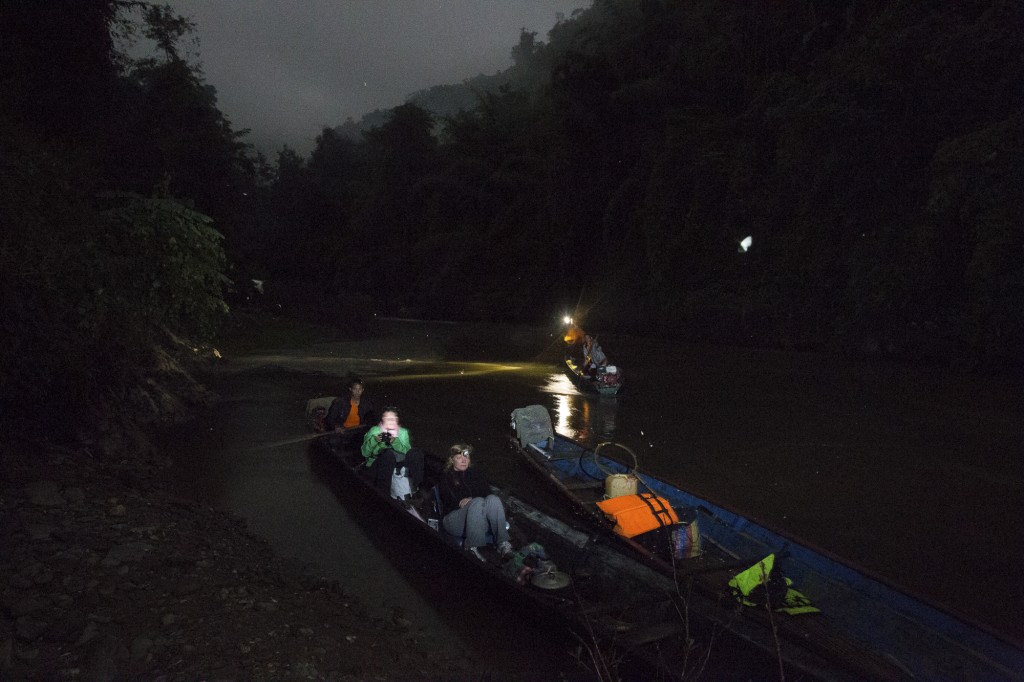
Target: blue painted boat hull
(859, 610)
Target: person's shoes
(505, 549)
(475, 551)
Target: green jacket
(402, 443)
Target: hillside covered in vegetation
(872, 150)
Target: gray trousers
(473, 522)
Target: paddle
(307, 437)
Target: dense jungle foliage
(873, 150)
(112, 173)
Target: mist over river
(915, 474)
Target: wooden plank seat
(653, 633)
(577, 484)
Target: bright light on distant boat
(567, 319)
(745, 244)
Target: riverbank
(109, 577)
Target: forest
(872, 150)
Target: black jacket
(455, 485)
(338, 412)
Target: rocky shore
(107, 576)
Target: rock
(67, 629)
(187, 587)
(88, 633)
(38, 531)
(29, 629)
(45, 494)
(105, 658)
(24, 606)
(141, 647)
(129, 551)
(26, 654)
(43, 577)
(21, 582)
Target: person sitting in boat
(573, 339)
(345, 416)
(387, 448)
(472, 512)
(595, 359)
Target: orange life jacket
(636, 514)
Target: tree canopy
(120, 179)
(872, 150)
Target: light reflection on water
(804, 441)
(581, 417)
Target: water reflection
(581, 417)
(559, 384)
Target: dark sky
(287, 68)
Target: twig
(771, 620)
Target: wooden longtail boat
(864, 622)
(610, 383)
(618, 607)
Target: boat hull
(865, 622)
(587, 384)
(614, 603)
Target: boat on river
(856, 620)
(623, 613)
(608, 380)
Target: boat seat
(653, 633)
(583, 485)
(549, 454)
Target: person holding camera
(387, 449)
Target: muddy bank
(108, 577)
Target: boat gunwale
(970, 636)
(586, 383)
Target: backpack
(316, 413)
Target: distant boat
(864, 624)
(608, 381)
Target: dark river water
(914, 474)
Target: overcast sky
(287, 68)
